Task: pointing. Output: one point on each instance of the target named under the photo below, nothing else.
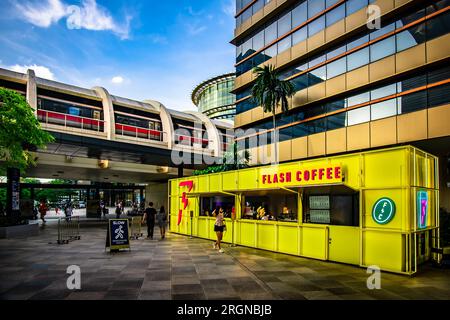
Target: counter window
(208, 204)
(332, 209)
(276, 207)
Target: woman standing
(161, 217)
(218, 228)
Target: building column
(32, 90)
(166, 121)
(213, 133)
(108, 112)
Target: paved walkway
(183, 268)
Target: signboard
(383, 211)
(301, 176)
(184, 199)
(118, 234)
(13, 191)
(422, 209)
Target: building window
(412, 102)
(316, 26)
(209, 204)
(314, 7)
(300, 14)
(359, 115)
(284, 24)
(358, 59)
(299, 35)
(332, 209)
(438, 95)
(355, 5)
(337, 67)
(382, 49)
(335, 15)
(384, 109)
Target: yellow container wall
(396, 173)
(314, 242)
(383, 249)
(344, 244)
(288, 239)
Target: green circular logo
(383, 211)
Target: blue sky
(156, 50)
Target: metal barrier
(136, 232)
(68, 229)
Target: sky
(158, 50)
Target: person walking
(219, 227)
(118, 210)
(149, 217)
(68, 210)
(43, 210)
(161, 218)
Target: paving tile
(182, 268)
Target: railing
(68, 120)
(137, 132)
(188, 140)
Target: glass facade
(425, 90)
(309, 15)
(214, 98)
(308, 73)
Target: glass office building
(213, 97)
(357, 88)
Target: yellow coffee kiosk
(369, 208)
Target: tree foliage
(20, 130)
(233, 159)
(269, 91)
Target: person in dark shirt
(149, 217)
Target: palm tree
(270, 92)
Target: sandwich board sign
(118, 236)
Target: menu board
(319, 216)
(319, 202)
(319, 209)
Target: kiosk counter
(368, 208)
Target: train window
(74, 111)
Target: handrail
(137, 130)
(69, 117)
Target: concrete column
(32, 90)
(166, 121)
(108, 111)
(157, 193)
(213, 132)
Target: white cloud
(117, 80)
(229, 7)
(43, 14)
(194, 28)
(158, 39)
(89, 16)
(40, 71)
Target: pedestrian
(118, 210)
(68, 210)
(149, 217)
(219, 227)
(43, 210)
(161, 217)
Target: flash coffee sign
(307, 176)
